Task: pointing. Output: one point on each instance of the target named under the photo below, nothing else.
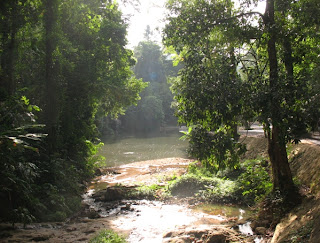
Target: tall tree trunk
(51, 108)
(9, 32)
(282, 177)
(233, 73)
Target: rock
(262, 223)
(47, 226)
(70, 229)
(213, 237)
(41, 238)
(126, 207)
(197, 233)
(243, 221)
(90, 231)
(93, 214)
(5, 235)
(260, 230)
(108, 195)
(98, 172)
(167, 235)
(265, 223)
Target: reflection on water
(224, 210)
(150, 220)
(127, 150)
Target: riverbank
(105, 206)
(133, 217)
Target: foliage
(215, 149)
(154, 109)
(107, 236)
(254, 182)
(148, 191)
(20, 139)
(212, 189)
(189, 184)
(67, 61)
(248, 184)
(239, 63)
(197, 170)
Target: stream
(132, 149)
(154, 221)
(145, 221)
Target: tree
(215, 39)
(154, 108)
(15, 15)
(69, 59)
(51, 72)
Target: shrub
(224, 192)
(189, 185)
(145, 191)
(107, 236)
(254, 183)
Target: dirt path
(257, 131)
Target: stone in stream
(41, 238)
(93, 214)
(197, 235)
(260, 230)
(108, 195)
(215, 237)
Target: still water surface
(133, 149)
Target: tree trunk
(9, 32)
(282, 177)
(51, 108)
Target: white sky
(151, 12)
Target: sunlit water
(155, 218)
(127, 150)
(149, 220)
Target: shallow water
(128, 150)
(147, 221)
(224, 210)
(151, 219)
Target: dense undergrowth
(36, 185)
(246, 185)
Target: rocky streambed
(106, 206)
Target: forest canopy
(240, 65)
(63, 64)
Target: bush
(148, 192)
(249, 184)
(107, 236)
(216, 150)
(224, 192)
(189, 185)
(254, 183)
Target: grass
(147, 191)
(107, 236)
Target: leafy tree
(68, 58)
(240, 62)
(154, 108)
